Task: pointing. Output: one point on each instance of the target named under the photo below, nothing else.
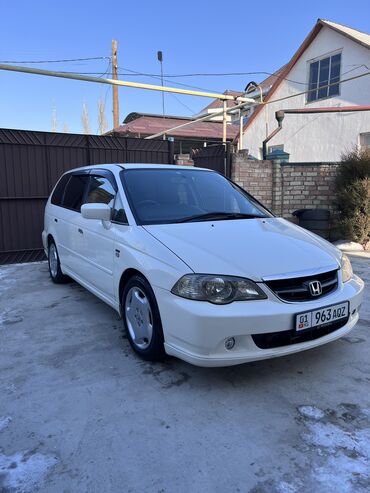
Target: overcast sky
(194, 35)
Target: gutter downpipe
(279, 115)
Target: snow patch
(9, 317)
(24, 472)
(284, 487)
(5, 422)
(329, 436)
(312, 412)
(345, 456)
(348, 246)
(340, 474)
(5, 281)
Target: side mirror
(96, 211)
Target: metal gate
(31, 163)
(215, 157)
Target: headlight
(217, 289)
(347, 271)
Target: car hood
(252, 248)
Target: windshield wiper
(218, 216)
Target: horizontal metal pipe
(137, 85)
(334, 109)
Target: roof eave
(344, 33)
(302, 48)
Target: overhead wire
(135, 73)
(321, 87)
(155, 76)
(192, 111)
(66, 60)
(285, 97)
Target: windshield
(160, 196)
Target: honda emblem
(315, 288)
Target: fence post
(228, 160)
(171, 151)
(88, 150)
(277, 192)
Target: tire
(55, 271)
(141, 319)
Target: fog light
(229, 343)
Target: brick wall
(254, 176)
(287, 187)
(307, 186)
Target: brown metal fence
(31, 163)
(216, 157)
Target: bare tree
(54, 121)
(85, 119)
(102, 119)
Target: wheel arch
(125, 276)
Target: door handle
(80, 231)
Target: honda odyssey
(197, 267)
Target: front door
(99, 237)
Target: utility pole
(115, 88)
(160, 59)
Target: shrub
(353, 195)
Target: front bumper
(195, 331)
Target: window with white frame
(324, 78)
(365, 140)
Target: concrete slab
(79, 412)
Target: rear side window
(100, 191)
(57, 196)
(74, 192)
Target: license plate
(322, 316)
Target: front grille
(288, 337)
(297, 288)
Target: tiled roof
(151, 124)
(271, 79)
(217, 103)
(135, 115)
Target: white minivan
(196, 266)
